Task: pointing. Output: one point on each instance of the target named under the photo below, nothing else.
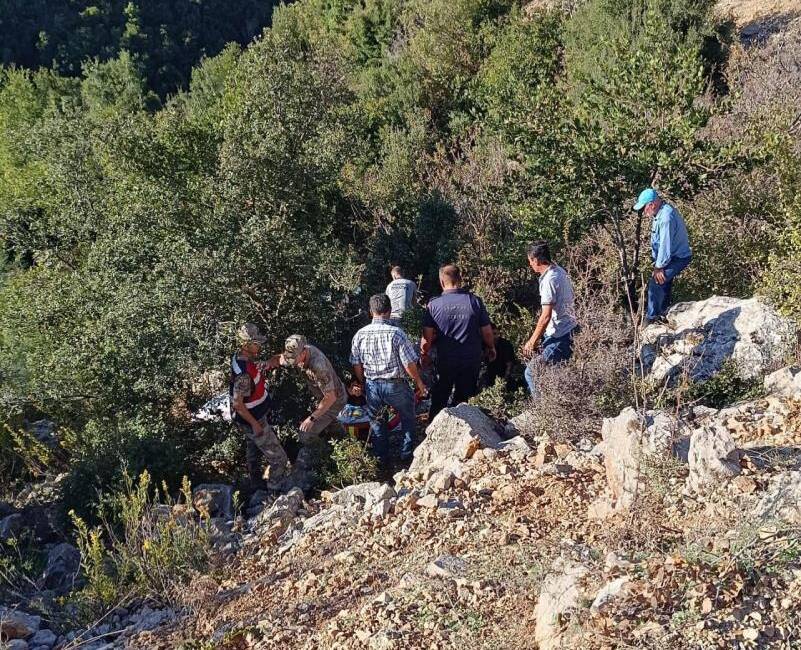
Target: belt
(393, 379)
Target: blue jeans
(380, 394)
(555, 349)
(659, 294)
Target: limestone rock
(782, 499)
(627, 438)
(608, 593)
(700, 336)
(713, 456)
(275, 520)
(363, 495)
(214, 500)
(446, 566)
(15, 624)
(455, 434)
(784, 383)
(560, 594)
(63, 565)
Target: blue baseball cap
(645, 197)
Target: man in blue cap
(670, 250)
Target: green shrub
(500, 402)
(350, 462)
(142, 549)
(725, 388)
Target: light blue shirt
(669, 239)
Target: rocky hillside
(677, 528)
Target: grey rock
(43, 638)
(713, 456)
(782, 498)
(701, 336)
(16, 644)
(560, 594)
(363, 495)
(455, 434)
(15, 624)
(447, 566)
(11, 526)
(518, 443)
(63, 565)
(214, 500)
(784, 383)
(277, 519)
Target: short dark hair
(451, 272)
(380, 304)
(539, 251)
(398, 270)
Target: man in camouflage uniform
(327, 388)
(250, 407)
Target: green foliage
(143, 549)
(500, 402)
(725, 388)
(105, 452)
(166, 38)
(350, 462)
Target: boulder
(454, 435)
(363, 495)
(276, 520)
(784, 383)
(10, 527)
(626, 439)
(63, 565)
(15, 624)
(214, 500)
(782, 498)
(700, 336)
(713, 456)
(43, 638)
(560, 594)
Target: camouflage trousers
(265, 444)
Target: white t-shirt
(557, 290)
(401, 294)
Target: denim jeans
(459, 379)
(381, 394)
(659, 294)
(554, 350)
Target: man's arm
(358, 370)
(545, 317)
(663, 252)
(414, 373)
(329, 399)
(489, 342)
(429, 336)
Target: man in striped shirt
(383, 360)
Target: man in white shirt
(401, 294)
(557, 323)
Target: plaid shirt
(383, 350)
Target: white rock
(560, 594)
(626, 440)
(518, 443)
(784, 383)
(713, 456)
(702, 335)
(782, 498)
(455, 434)
(608, 593)
(363, 495)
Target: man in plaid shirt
(383, 359)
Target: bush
(499, 401)
(142, 549)
(104, 453)
(350, 462)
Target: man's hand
(492, 354)
(422, 389)
(257, 428)
(659, 276)
(272, 363)
(307, 424)
(530, 347)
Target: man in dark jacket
(457, 323)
